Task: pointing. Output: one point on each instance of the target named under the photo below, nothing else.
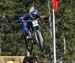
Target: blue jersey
(28, 16)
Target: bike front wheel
(39, 39)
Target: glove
(22, 20)
(44, 17)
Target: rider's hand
(44, 17)
(23, 20)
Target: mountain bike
(36, 36)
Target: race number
(35, 23)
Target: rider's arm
(21, 20)
(25, 18)
(44, 17)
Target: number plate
(35, 23)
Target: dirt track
(17, 59)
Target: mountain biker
(32, 15)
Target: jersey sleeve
(39, 16)
(19, 20)
(26, 16)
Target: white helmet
(33, 10)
